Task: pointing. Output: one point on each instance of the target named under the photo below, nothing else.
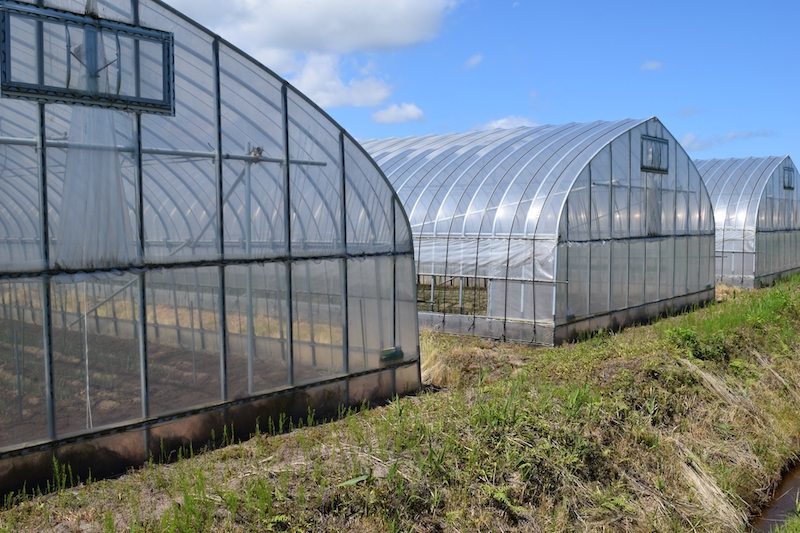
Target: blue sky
(721, 75)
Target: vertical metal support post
(393, 344)
(311, 334)
(433, 284)
(139, 313)
(114, 316)
(142, 327)
(96, 314)
(223, 331)
(394, 276)
(343, 271)
(199, 300)
(155, 312)
(251, 335)
(610, 228)
(175, 308)
(44, 237)
(628, 247)
(461, 296)
(19, 376)
(287, 220)
(194, 352)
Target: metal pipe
(193, 154)
(175, 308)
(287, 221)
(49, 383)
(223, 345)
(251, 340)
(194, 354)
(344, 262)
(19, 377)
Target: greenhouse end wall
(188, 246)
(543, 234)
(757, 212)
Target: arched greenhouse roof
(179, 194)
(496, 183)
(757, 211)
(738, 186)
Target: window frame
(788, 178)
(664, 167)
(40, 92)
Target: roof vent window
(655, 154)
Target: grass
(683, 425)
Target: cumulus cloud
(397, 114)
(651, 65)
(304, 40)
(693, 143)
(688, 112)
(326, 26)
(320, 79)
(507, 123)
(473, 61)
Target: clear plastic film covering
(164, 261)
(757, 211)
(551, 224)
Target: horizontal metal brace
(161, 151)
(147, 267)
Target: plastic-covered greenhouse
(757, 212)
(538, 234)
(186, 243)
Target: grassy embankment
(683, 425)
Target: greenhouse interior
(185, 241)
(540, 234)
(757, 213)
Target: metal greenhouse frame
(186, 243)
(757, 209)
(540, 234)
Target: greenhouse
(757, 212)
(187, 244)
(541, 234)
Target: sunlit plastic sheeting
(754, 199)
(602, 202)
(406, 324)
(19, 208)
(370, 226)
(370, 311)
(245, 246)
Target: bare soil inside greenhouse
(685, 424)
(177, 379)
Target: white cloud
(651, 65)
(304, 39)
(473, 61)
(320, 79)
(329, 26)
(691, 142)
(734, 135)
(397, 114)
(688, 112)
(515, 4)
(507, 123)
